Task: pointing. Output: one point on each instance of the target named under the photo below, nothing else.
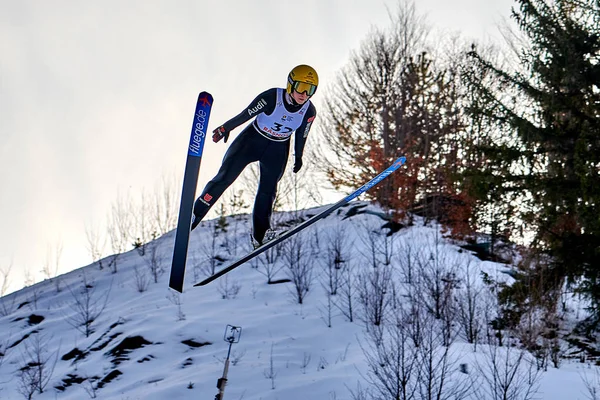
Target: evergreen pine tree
(543, 144)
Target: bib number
(277, 128)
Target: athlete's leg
(242, 152)
(272, 166)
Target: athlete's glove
(297, 164)
(220, 133)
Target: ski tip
(400, 161)
(205, 98)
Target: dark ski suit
(266, 140)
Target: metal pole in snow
(232, 335)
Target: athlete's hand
(297, 164)
(220, 133)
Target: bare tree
(378, 249)
(52, 264)
(228, 290)
(165, 205)
(407, 255)
(95, 244)
(141, 279)
(268, 264)
(436, 284)
(5, 275)
(87, 305)
(327, 309)
(393, 362)
(375, 290)
(210, 249)
(177, 300)
(407, 360)
(120, 226)
(507, 373)
(236, 205)
(145, 229)
(470, 307)
(305, 362)
(6, 304)
(592, 383)
(438, 379)
(300, 269)
(37, 366)
(271, 373)
(347, 291)
(337, 256)
(153, 260)
(4, 349)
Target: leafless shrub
(228, 290)
(322, 364)
(592, 383)
(406, 255)
(407, 359)
(360, 393)
(235, 205)
(378, 246)
(153, 260)
(271, 373)
(327, 309)
(436, 283)
(337, 256)
(210, 250)
(52, 264)
(120, 225)
(300, 269)
(95, 244)
(4, 349)
(7, 303)
(176, 299)
(438, 377)
(305, 362)
(347, 292)
(144, 229)
(268, 263)
(165, 204)
(470, 307)
(141, 279)
(37, 366)
(375, 289)
(87, 305)
(28, 279)
(33, 296)
(90, 386)
(5, 275)
(392, 361)
(237, 357)
(507, 373)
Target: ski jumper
(266, 140)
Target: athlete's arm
(264, 102)
(303, 130)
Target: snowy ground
(160, 345)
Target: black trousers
(248, 147)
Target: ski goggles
(301, 87)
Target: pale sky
(97, 97)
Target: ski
(188, 193)
(306, 223)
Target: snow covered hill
(106, 334)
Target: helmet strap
(290, 99)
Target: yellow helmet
(303, 78)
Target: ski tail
(387, 172)
(188, 193)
